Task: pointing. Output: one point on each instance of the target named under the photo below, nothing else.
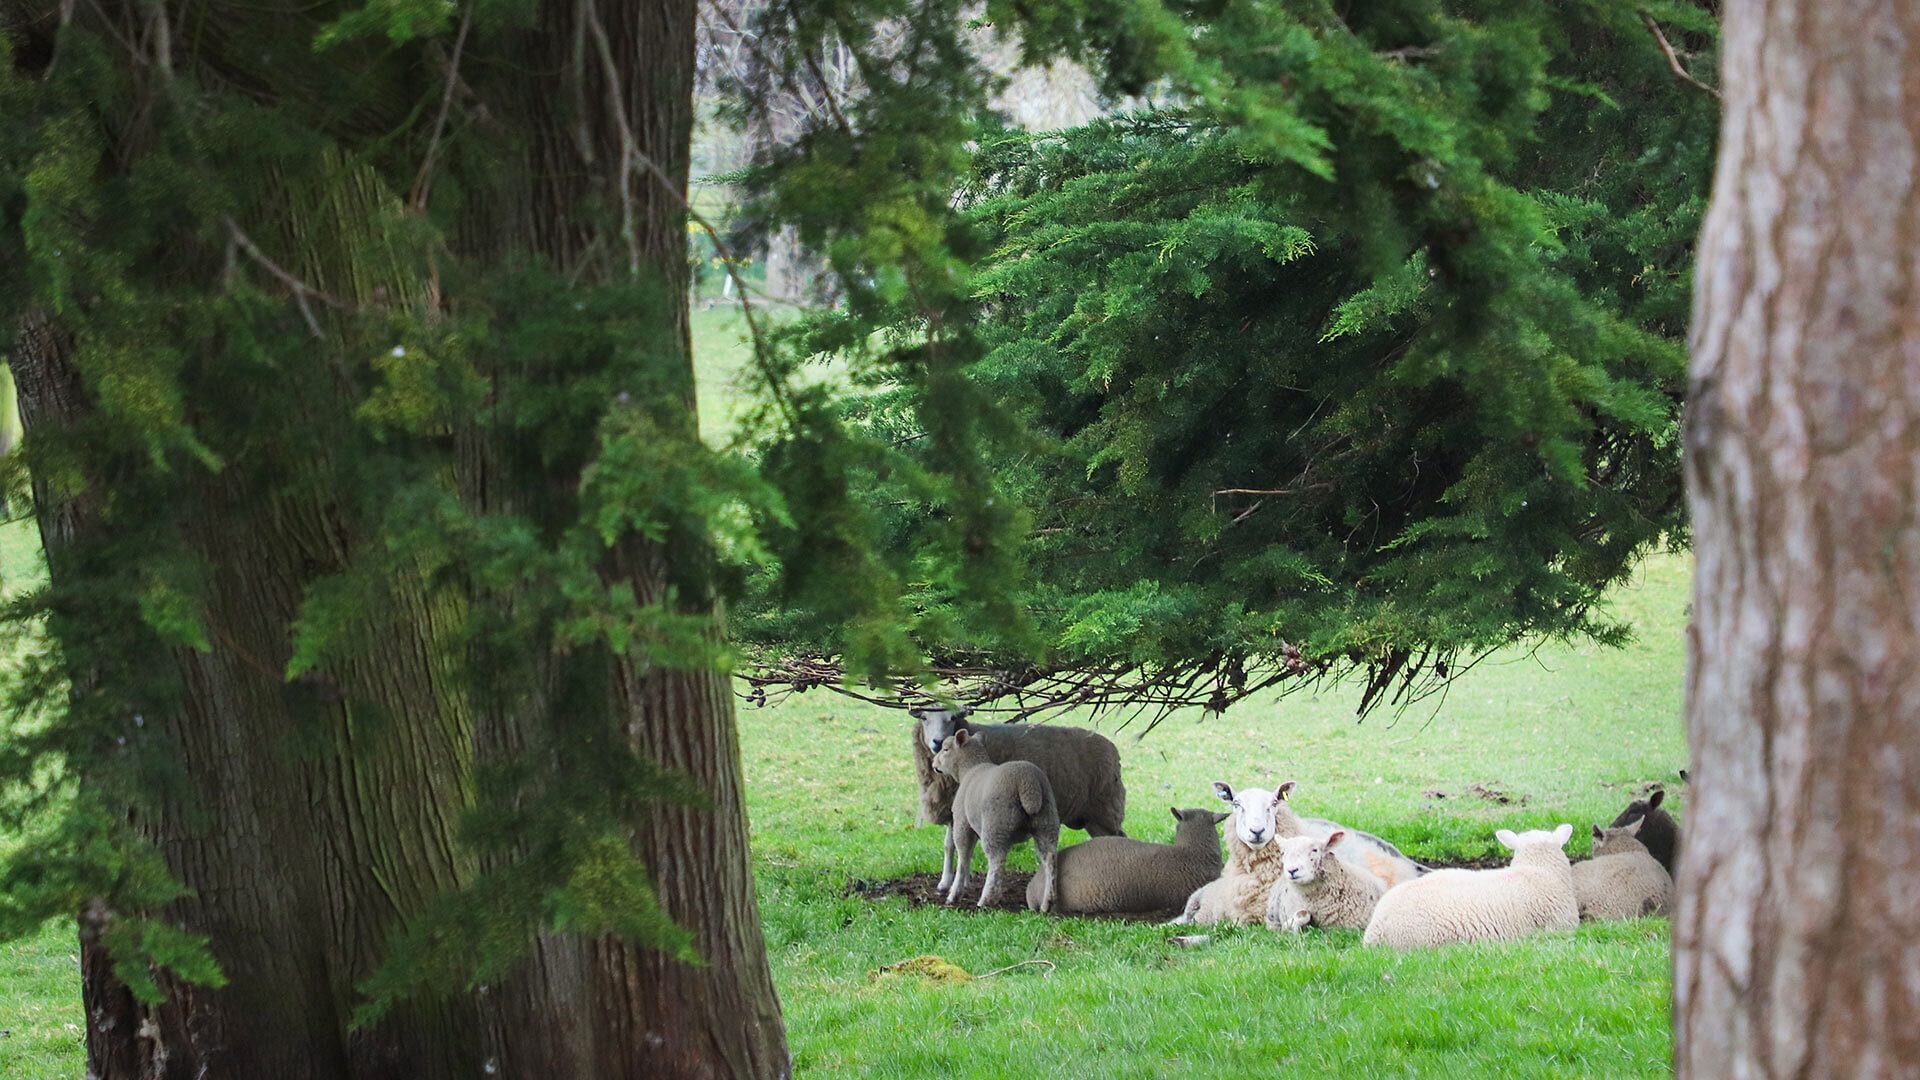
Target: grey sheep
(1623, 880)
(1114, 874)
(1082, 767)
(1000, 805)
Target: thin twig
(300, 289)
(1048, 964)
(629, 146)
(423, 181)
(1673, 59)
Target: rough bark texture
(309, 834)
(1797, 941)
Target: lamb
(1082, 767)
(1660, 834)
(1321, 889)
(1534, 893)
(1261, 815)
(1115, 875)
(1623, 880)
(1002, 805)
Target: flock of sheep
(999, 785)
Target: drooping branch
(1673, 58)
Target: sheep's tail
(1033, 792)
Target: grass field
(1564, 734)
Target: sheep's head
(1638, 809)
(1253, 810)
(1558, 837)
(952, 753)
(1622, 838)
(939, 725)
(1302, 856)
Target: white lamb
(1254, 862)
(1320, 889)
(1534, 893)
(1623, 880)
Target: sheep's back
(1116, 874)
(1473, 905)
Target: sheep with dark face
(1622, 880)
(1117, 874)
(1082, 768)
(1659, 832)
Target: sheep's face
(1638, 809)
(946, 760)
(1557, 837)
(1623, 838)
(939, 725)
(1253, 810)
(1300, 857)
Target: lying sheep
(1534, 893)
(1082, 766)
(1261, 815)
(1001, 805)
(1320, 889)
(1660, 834)
(1623, 880)
(1113, 875)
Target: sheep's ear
(1598, 833)
(1224, 790)
(1563, 833)
(1175, 811)
(1220, 817)
(960, 737)
(917, 713)
(1653, 800)
(1283, 790)
(1506, 837)
(1684, 778)
(1334, 838)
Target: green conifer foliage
(1365, 355)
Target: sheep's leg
(946, 861)
(963, 860)
(996, 861)
(1048, 848)
(1285, 906)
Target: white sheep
(1319, 888)
(1082, 767)
(1115, 874)
(1623, 880)
(1260, 816)
(1534, 892)
(1000, 805)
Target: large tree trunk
(1797, 941)
(309, 832)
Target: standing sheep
(1115, 875)
(1320, 889)
(1660, 834)
(1000, 805)
(1623, 880)
(1082, 767)
(1534, 893)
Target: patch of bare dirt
(919, 890)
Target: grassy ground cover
(1564, 734)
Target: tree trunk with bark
(1797, 938)
(319, 815)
